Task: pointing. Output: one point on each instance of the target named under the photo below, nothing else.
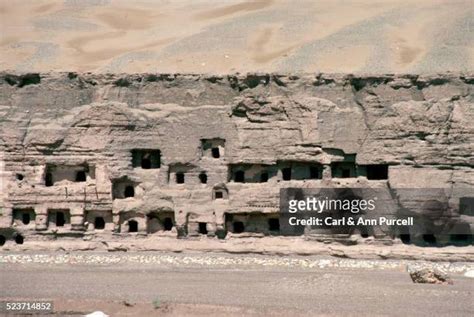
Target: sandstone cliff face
(183, 155)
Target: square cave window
(343, 169)
(345, 173)
(405, 238)
(213, 148)
(203, 228)
(123, 188)
(377, 172)
(314, 172)
(203, 178)
(429, 238)
(286, 173)
(238, 227)
(274, 224)
(157, 221)
(180, 178)
(81, 176)
(71, 173)
(219, 195)
(129, 191)
(99, 219)
(461, 239)
(48, 179)
(132, 226)
(59, 217)
(239, 176)
(23, 216)
(264, 177)
(99, 223)
(215, 152)
(168, 224)
(146, 159)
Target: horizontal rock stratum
(115, 157)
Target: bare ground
(182, 288)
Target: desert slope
(395, 36)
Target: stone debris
(430, 276)
(244, 261)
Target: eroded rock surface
(86, 156)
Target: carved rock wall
(183, 155)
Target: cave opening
(239, 176)
(429, 238)
(180, 178)
(99, 223)
(274, 224)
(25, 218)
(48, 179)
(203, 178)
(405, 238)
(81, 176)
(146, 159)
(314, 172)
(345, 173)
(168, 224)
(377, 172)
(19, 239)
(286, 172)
(129, 191)
(238, 227)
(264, 177)
(215, 152)
(461, 239)
(60, 219)
(203, 228)
(132, 226)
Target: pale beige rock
(98, 137)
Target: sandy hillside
(230, 36)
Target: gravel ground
(219, 261)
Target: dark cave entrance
(99, 223)
(81, 176)
(286, 173)
(238, 227)
(215, 152)
(239, 176)
(203, 228)
(132, 226)
(180, 178)
(129, 191)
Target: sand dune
(228, 36)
